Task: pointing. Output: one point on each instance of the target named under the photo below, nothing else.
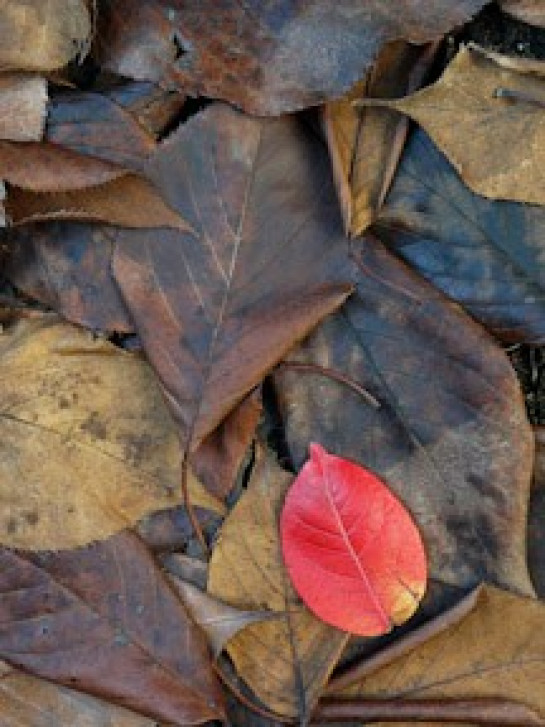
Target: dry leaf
(451, 436)
(536, 519)
(268, 58)
(486, 255)
(360, 140)
(497, 650)
(218, 308)
(43, 35)
(287, 661)
(530, 11)
(23, 102)
(86, 436)
(489, 122)
(103, 620)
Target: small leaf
(352, 551)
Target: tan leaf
(85, 435)
(287, 661)
(497, 650)
(489, 121)
(530, 11)
(23, 101)
(42, 35)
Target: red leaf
(352, 550)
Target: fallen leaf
(219, 621)
(486, 255)
(218, 308)
(287, 661)
(156, 109)
(66, 266)
(171, 529)
(26, 700)
(451, 437)
(352, 551)
(536, 518)
(497, 650)
(43, 36)
(530, 11)
(187, 568)
(23, 103)
(360, 140)
(268, 59)
(89, 619)
(489, 122)
(85, 434)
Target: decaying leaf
(352, 551)
(85, 434)
(23, 102)
(451, 436)
(536, 518)
(497, 650)
(486, 255)
(268, 58)
(286, 661)
(530, 11)
(31, 702)
(88, 618)
(365, 143)
(43, 35)
(489, 122)
(218, 308)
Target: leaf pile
(264, 457)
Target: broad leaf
(352, 551)
(268, 58)
(23, 103)
(488, 256)
(218, 308)
(286, 661)
(104, 621)
(451, 436)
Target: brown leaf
(66, 266)
(268, 58)
(496, 651)
(536, 519)
(486, 255)
(188, 569)
(43, 36)
(451, 436)
(489, 121)
(171, 529)
(23, 102)
(530, 11)
(217, 309)
(360, 140)
(89, 619)
(31, 702)
(287, 661)
(85, 434)
(219, 458)
(219, 621)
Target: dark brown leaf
(219, 308)
(153, 107)
(103, 620)
(488, 256)
(171, 529)
(536, 519)
(270, 57)
(451, 437)
(23, 102)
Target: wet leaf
(287, 661)
(23, 102)
(530, 11)
(43, 36)
(217, 309)
(489, 122)
(450, 438)
(352, 551)
(270, 58)
(89, 619)
(486, 255)
(85, 434)
(496, 651)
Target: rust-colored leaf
(218, 308)
(88, 619)
(352, 551)
(268, 58)
(23, 102)
(451, 436)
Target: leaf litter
(184, 313)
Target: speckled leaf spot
(352, 550)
